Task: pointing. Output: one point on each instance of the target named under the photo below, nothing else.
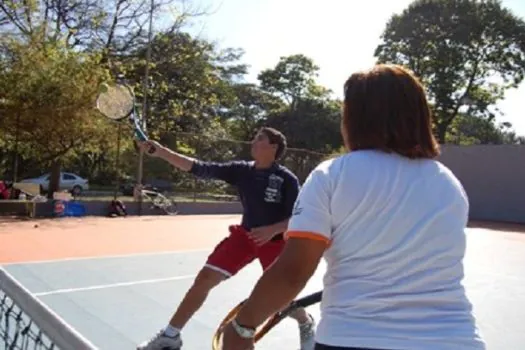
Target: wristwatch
(243, 332)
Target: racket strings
(116, 102)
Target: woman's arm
(283, 281)
(308, 236)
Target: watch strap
(242, 331)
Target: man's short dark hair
(386, 108)
(276, 138)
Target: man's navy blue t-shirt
(267, 195)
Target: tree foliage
(470, 130)
(47, 98)
(466, 52)
(189, 82)
(308, 105)
(251, 108)
(54, 54)
(114, 25)
(292, 79)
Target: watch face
(243, 331)
(247, 332)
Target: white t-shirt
(396, 229)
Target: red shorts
(238, 250)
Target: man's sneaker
(307, 334)
(161, 341)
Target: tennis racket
(270, 322)
(117, 102)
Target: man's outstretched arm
(178, 160)
(209, 170)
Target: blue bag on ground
(69, 208)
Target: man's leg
(231, 255)
(267, 254)
(205, 281)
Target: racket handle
(309, 299)
(142, 137)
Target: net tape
(116, 102)
(26, 323)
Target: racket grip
(309, 299)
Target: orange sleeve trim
(307, 234)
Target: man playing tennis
(268, 192)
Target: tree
(313, 125)
(251, 107)
(293, 79)
(471, 130)
(96, 32)
(466, 52)
(308, 105)
(113, 25)
(48, 95)
(190, 88)
(307, 110)
(190, 81)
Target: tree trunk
(54, 178)
(442, 132)
(15, 160)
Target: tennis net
(26, 323)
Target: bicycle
(159, 201)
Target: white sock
(171, 331)
(310, 320)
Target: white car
(68, 181)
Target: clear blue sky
(339, 35)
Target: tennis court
(117, 281)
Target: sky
(339, 35)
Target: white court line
(112, 285)
(101, 257)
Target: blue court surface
(119, 301)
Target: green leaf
(458, 48)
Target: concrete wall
(100, 208)
(493, 177)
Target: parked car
(68, 181)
